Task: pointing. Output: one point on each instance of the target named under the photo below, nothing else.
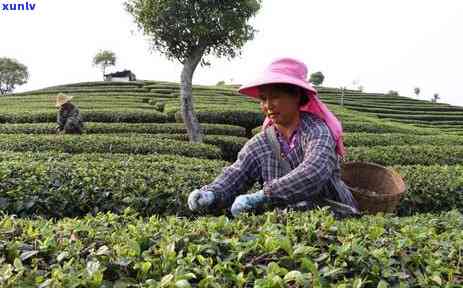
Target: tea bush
(110, 128)
(106, 144)
(408, 155)
(272, 250)
(55, 184)
(113, 115)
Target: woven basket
(387, 183)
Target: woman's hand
(247, 202)
(200, 199)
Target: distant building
(125, 75)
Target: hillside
(134, 165)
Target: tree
(12, 73)
(220, 83)
(104, 59)
(188, 30)
(317, 78)
(417, 91)
(392, 93)
(435, 97)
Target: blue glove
(247, 202)
(200, 199)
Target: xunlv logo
(18, 6)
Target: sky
(380, 44)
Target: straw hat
(62, 99)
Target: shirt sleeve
(235, 179)
(311, 174)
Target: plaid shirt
(287, 146)
(314, 162)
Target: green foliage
(104, 59)
(247, 119)
(392, 93)
(181, 28)
(317, 78)
(424, 117)
(117, 128)
(375, 127)
(55, 184)
(106, 144)
(431, 188)
(276, 249)
(103, 115)
(272, 250)
(396, 139)
(12, 73)
(58, 185)
(229, 145)
(408, 155)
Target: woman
(296, 156)
(69, 119)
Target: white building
(124, 76)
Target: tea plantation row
(276, 249)
(54, 184)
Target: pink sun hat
(283, 70)
(292, 71)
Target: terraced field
(108, 208)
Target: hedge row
(83, 106)
(25, 96)
(422, 117)
(107, 128)
(406, 107)
(408, 155)
(271, 250)
(229, 145)
(396, 139)
(443, 153)
(53, 184)
(412, 111)
(247, 119)
(435, 124)
(57, 185)
(375, 99)
(83, 90)
(134, 116)
(106, 144)
(377, 128)
(373, 104)
(20, 103)
(100, 83)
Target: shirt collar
(294, 132)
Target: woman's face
(279, 106)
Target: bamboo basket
(387, 183)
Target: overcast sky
(384, 45)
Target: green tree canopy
(104, 59)
(188, 30)
(12, 73)
(393, 93)
(317, 78)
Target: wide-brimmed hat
(282, 70)
(62, 99)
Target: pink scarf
(317, 107)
